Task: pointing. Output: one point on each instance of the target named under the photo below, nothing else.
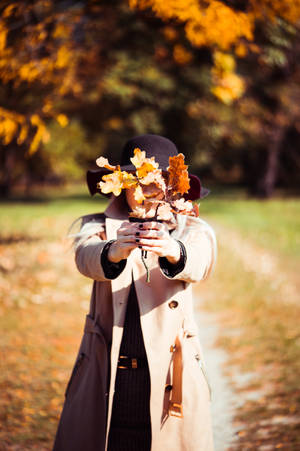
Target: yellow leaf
(138, 194)
(129, 180)
(113, 183)
(164, 212)
(155, 177)
(144, 169)
(139, 157)
(103, 163)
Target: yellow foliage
(223, 62)
(22, 135)
(115, 123)
(29, 71)
(228, 86)
(170, 33)
(8, 130)
(64, 56)
(181, 55)
(3, 36)
(48, 105)
(8, 10)
(213, 24)
(62, 30)
(41, 134)
(62, 120)
(10, 123)
(287, 9)
(241, 50)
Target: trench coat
(180, 393)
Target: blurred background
(220, 79)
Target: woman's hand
(127, 240)
(154, 237)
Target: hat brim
(94, 176)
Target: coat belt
(175, 404)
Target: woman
(138, 381)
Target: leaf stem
(146, 267)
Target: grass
(43, 301)
(273, 224)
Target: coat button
(173, 304)
(168, 387)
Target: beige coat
(180, 418)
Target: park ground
(253, 295)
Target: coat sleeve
(89, 245)
(199, 241)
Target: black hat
(156, 146)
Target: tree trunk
(265, 185)
(7, 169)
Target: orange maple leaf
(179, 181)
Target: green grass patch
(274, 223)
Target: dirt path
(224, 400)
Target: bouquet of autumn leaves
(164, 196)
(168, 187)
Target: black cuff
(111, 270)
(170, 269)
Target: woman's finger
(152, 225)
(155, 234)
(155, 250)
(127, 238)
(127, 228)
(154, 243)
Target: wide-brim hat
(156, 146)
